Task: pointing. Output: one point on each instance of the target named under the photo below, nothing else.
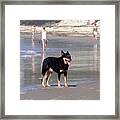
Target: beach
(83, 73)
(80, 91)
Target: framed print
(60, 60)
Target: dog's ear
(68, 53)
(62, 53)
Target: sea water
(84, 67)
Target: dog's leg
(50, 71)
(65, 79)
(48, 79)
(44, 79)
(59, 74)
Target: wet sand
(89, 91)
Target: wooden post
(33, 35)
(33, 45)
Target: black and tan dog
(57, 64)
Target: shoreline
(61, 31)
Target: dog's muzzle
(68, 61)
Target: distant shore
(61, 31)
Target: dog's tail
(44, 67)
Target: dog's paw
(66, 85)
(43, 84)
(59, 85)
(48, 85)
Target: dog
(57, 64)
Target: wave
(39, 51)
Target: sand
(80, 91)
